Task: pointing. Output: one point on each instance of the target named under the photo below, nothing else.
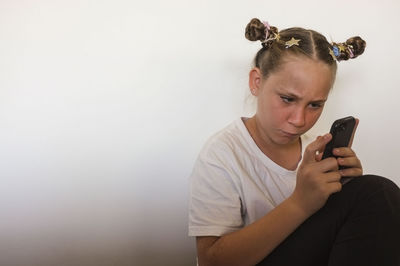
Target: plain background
(104, 106)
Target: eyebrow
(292, 95)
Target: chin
(286, 140)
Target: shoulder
(225, 143)
(222, 156)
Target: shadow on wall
(127, 256)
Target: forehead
(303, 77)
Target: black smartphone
(342, 131)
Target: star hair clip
(292, 42)
(270, 36)
(275, 37)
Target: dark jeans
(359, 225)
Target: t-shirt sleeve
(215, 206)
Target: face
(291, 99)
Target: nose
(297, 117)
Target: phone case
(341, 131)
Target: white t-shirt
(234, 183)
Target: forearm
(251, 244)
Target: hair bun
(352, 48)
(357, 44)
(255, 30)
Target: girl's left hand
(348, 158)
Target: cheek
(277, 114)
(270, 107)
(312, 117)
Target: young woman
(260, 192)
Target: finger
(327, 165)
(318, 156)
(349, 162)
(332, 177)
(354, 132)
(351, 172)
(334, 187)
(344, 152)
(313, 147)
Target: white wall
(104, 106)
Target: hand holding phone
(342, 132)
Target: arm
(251, 244)
(316, 180)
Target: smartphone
(342, 130)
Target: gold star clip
(275, 37)
(342, 48)
(292, 42)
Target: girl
(260, 192)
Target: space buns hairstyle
(297, 41)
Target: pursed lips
(290, 134)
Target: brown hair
(311, 44)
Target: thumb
(313, 147)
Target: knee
(381, 191)
(378, 182)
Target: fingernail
(326, 136)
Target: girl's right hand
(316, 179)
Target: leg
(348, 221)
(371, 233)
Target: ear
(255, 77)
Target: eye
(287, 99)
(316, 105)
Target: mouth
(291, 135)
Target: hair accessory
(342, 48)
(266, 24)
(338, 48)
(350, 49)
(336, 51)
(332, 54)
(271, 38)
(292, 42)
(267, 28)
(275, 36)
